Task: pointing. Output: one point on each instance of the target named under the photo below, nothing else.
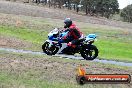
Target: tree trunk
(49, 3)
(77, 9)
(45, 2)
(54, 3)
(74, 7)
(60, 4)
(86, 9)
(68, 4)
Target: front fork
(61, 47)
(51, 43)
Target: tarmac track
(67, 57)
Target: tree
(104, 8)
(76, 3)
(101, 7)
(126, 13)
(110, 7)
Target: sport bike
(84, 46)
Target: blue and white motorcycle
(84, 46)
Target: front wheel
(89, 52)
(49, 50)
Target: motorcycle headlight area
(53, 32)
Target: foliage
(104, 8)
(126, 13)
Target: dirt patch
(23, 21)
(12, 42)
(47, 70)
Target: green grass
(29, 72)
(114, 50)
(20, 76)
(33, 36)
(8, 80)
(113, 43)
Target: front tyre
(49, 50)
(89, 52)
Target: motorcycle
(84, 46)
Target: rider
(74, 33)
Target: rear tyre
(49, 50)
(89, 52)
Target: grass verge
(113, 43)
(40, 71)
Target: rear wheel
(49, 50)
(89, 52)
